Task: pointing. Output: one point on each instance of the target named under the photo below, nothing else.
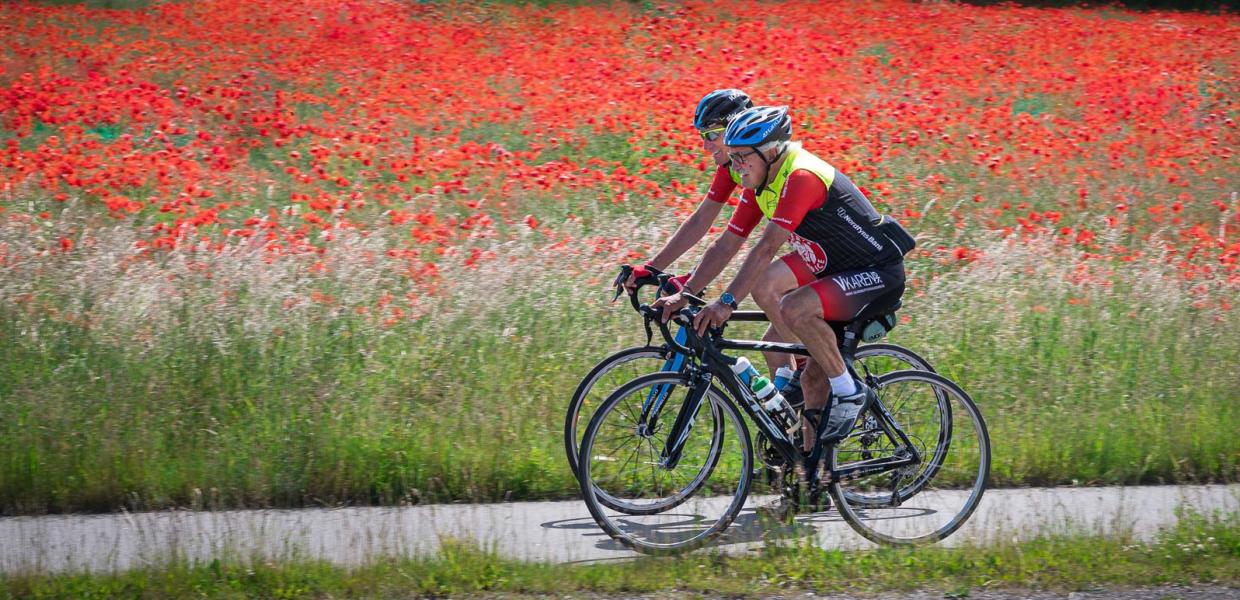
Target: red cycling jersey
(721, 187)
(803, 193)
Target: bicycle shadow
(749, 527)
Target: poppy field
(326, 252)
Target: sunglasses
(737, 157)
(711, 135)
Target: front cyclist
(846, 262)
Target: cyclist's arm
(773, 237)
(688, 234)
(803, 192)
(695, 228)
(714, 260)
(744, 219)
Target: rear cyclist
(711, 117)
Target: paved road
(561, 532)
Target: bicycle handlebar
(684, 317)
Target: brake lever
(625, 271)
(694, 301)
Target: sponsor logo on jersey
(843, 214)
(810, 252)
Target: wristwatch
(728, 299)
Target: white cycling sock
(843, 385)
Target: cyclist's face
(748, 162)
(712, 143)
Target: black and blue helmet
(719, 106)
(759, 125)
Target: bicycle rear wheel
(871, 361)
(926, 419)
(926, 501)
(623, 459)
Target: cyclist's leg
(780, 277)
(817, 391)
(833, 297)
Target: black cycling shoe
(844, 413)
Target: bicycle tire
(656, 534)
(908, 357)
(572, 416)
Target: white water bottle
(777, 406)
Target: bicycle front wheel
(927, 500)
(627, 461)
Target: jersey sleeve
(721, 187)
(803, 192)
(746, 216)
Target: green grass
(143, 385)
(1199, 550)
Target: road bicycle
(871, 360)
(911, 472)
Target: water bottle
(778, 407)
(782, 376)
(746, 372)
(771, 399)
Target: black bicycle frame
(713, 365)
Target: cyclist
(844, 261)
(711, 118)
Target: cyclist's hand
(630, 284)
(670, 304)
(678, 283)
(714, 315)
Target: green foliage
(240, 389)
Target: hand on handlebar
(636, 275)
(670, 305)
(714, 315)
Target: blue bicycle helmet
(719, 106)
(759, 125)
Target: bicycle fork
(657, 397)
(670, 456)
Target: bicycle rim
(881, 358)
(920, 503)
(708, 485)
